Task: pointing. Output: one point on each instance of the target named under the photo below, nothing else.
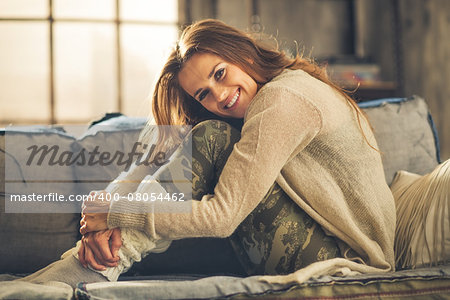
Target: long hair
(171, 105)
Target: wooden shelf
(373, 90)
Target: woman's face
(221, 87)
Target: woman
(303, 181)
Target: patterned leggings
(277, 237)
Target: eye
(202, 95)
(219, 73)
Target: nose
(220, 93)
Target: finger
(116, 242)
(83, 229)
(110, 253)
(86, 228)
(100, 247)
(87, 224)
(94, 222)
(90, 259)
(93, 248)
(81, 254)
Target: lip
(231, 98)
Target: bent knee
(213, 126)
(215, 136)
(215, 130)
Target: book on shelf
(353, 74)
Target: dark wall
(323, 27)
(425, 48)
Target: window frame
(117, 21)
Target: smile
(233, 101)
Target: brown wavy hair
(171, 105)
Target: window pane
(97, 9)
(24, 72)
(142, 61)
(149, 10)
(24, 8)
(85, 71)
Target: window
(70, 61)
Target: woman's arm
(279, 125)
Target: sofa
(33, 234)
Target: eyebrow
(209, 76)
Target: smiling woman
(221, 87)
(299, 187)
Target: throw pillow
(423, 228)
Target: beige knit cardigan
(304, 135)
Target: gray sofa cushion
(25, 290)
(118, 134)
(30, 241)
(35, 162)
(426, 283)
(404, 134)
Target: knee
(214, 130)
(213, 126)
(214, 135)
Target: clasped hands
(99, 245)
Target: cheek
(209, 105)
(252, 89)
(250, 86)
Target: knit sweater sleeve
(278, 125)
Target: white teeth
(233, 100)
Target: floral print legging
(277, 237)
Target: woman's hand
(100, 249)
(95, 212)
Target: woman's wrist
(126, 213)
